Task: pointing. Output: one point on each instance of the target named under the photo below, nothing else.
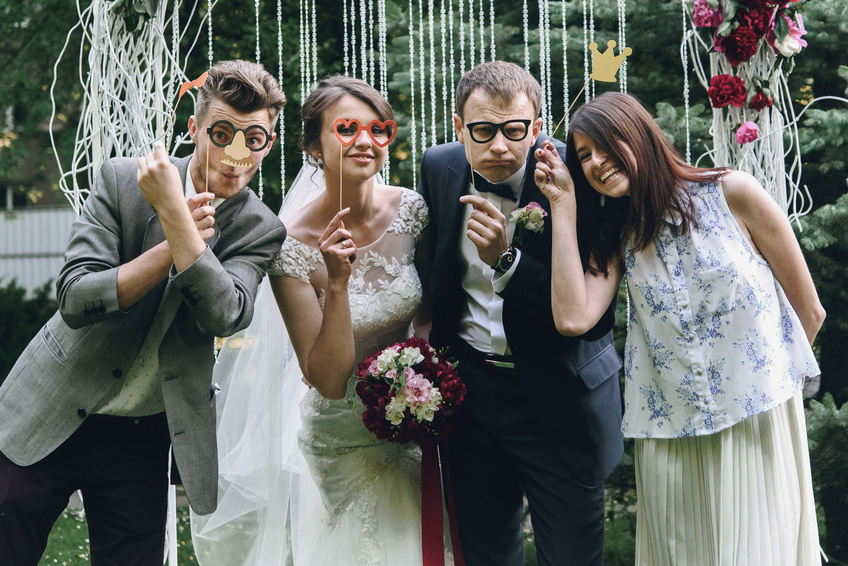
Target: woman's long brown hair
(617, 122)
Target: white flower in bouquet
(410, 357)
(395, 410)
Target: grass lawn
(68, 542)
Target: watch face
(505, 261)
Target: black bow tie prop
(484, 186)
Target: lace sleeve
(295, 259)
(413, 215)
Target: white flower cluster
(415, 393)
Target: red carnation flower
(758, 19)
(739, 46)
(760, 101)
(727, 89)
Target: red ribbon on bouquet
(432, 527)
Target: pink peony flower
(391, 374)
(705, 17)
(417, 389)
(747, 132)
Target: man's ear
(537, 127)
(457, 125)
(192, 128)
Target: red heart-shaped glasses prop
(347, 131)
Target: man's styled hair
(245, 86)
(500, 80)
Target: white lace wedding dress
(370, 489)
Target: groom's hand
(486, 229)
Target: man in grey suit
(166, 255)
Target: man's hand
(486, 229)
(159, 180)
(203, 214)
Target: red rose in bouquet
(409, 392)
(727, 89)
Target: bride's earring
(603, 200)
(320, 161)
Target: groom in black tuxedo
(543, 412)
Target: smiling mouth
(247, 162)
(606, 176)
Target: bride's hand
(551, 174)
(338, 248)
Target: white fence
(32, 245)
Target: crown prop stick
(604, 67)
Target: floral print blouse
(711, 336)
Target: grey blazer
(76, 358)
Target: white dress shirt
(481, 322)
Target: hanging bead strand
(565, 98)
(452, 72)
(586, 49)
(314, 45)
(303, 77)
(353, 50)
(482, 33)
(622, 43)
(345, 39)
(549, 92)
(526, 38)
(209, 5)
(432, 7)
(592, 33)
(421, 74)
(382, 30)
(684, 51)
(443, 28)
(471, 33)
(412, 135)
(371, 42)
(461, 10)
(492, 29)
(282, 116)
(261, 187)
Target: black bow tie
(484, 186)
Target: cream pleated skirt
(740, 497)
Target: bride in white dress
(347, 285)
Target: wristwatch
(505, 260)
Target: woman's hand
(338, 248)
(551, 175)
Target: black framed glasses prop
(222, 133)
(513, 130)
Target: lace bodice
(350, 466)
(384, 289)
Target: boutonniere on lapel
(531, 218)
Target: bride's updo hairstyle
(619, 125)
(329, 91)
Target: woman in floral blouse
(721, 317)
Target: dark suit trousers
(499, 452)
(120, 464)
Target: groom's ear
(457, 125)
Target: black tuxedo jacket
(573, 382)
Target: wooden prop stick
(567, 112)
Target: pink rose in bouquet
(409, 391)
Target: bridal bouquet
(409, 391)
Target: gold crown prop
(606, 64)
